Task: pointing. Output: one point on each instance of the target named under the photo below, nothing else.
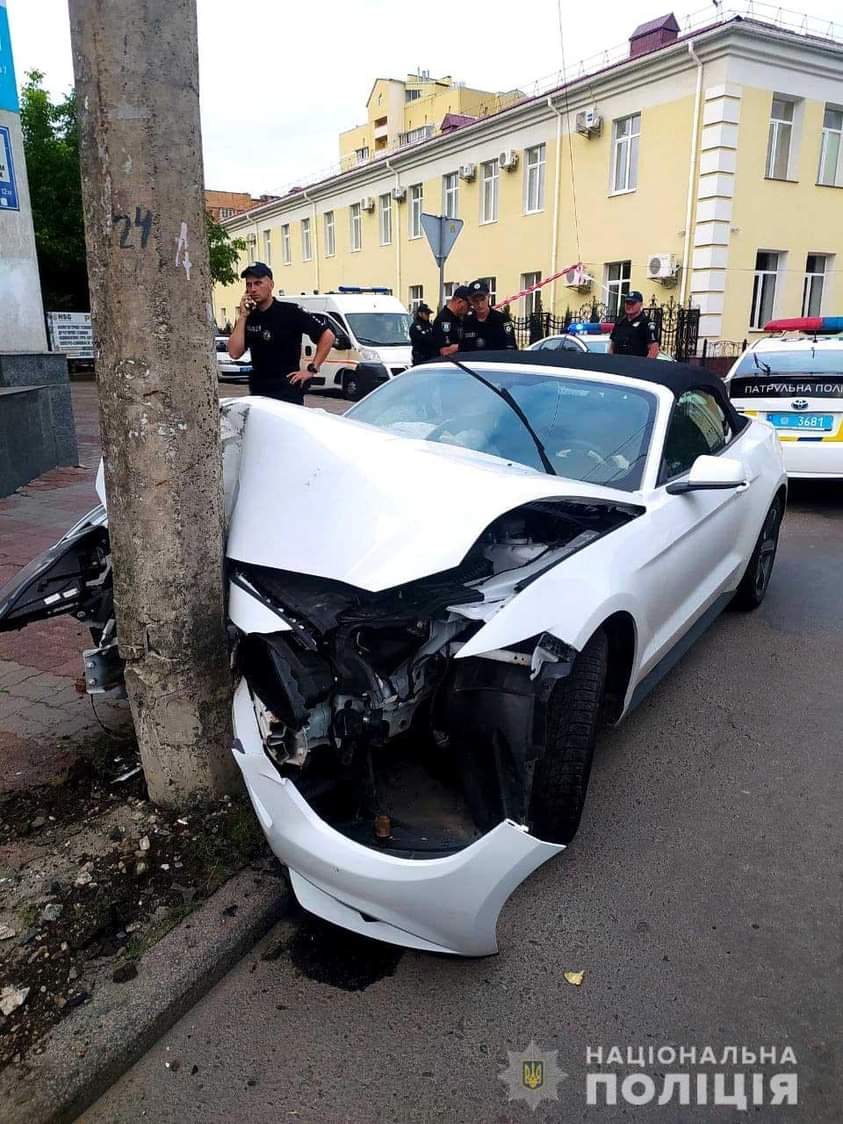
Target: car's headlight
(369, 355)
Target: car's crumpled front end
(392, 775)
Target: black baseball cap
(479, 288)
(632, 296)
(422, 307)
(257, 269)
(461, 293)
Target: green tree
(51, 145)
(224, 253)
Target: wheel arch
(623, 641)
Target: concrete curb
(87, 1052)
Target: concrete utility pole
(137, 83)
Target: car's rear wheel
(753, 588)
(351, 386)
(560, 780)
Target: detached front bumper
(447, 904)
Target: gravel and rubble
(91, 876)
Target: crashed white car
(437, 600)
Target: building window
(306, 246)
(450, 196)
(413, 136)
(286, 255)
(492, 282)
(489, 180)
(252, 250)
(330, 235)
(764, 288)
(534, 180)
(227, 212)
(532, 301)
(627, 134)
(448, 289)
(267, 248)
(362, 154)
(778, 143)
(812, 287)
(412, 95)
(385, 213)
(618, 274)
(356, 227)
(416, 204)
(416, 296)
(831, 166)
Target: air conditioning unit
(367, 203)
(662, 267)
(399, 194)
(468, 171)
(508, 159)
(589, 122)
(577, 278)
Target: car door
(696, 551)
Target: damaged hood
(327, 496)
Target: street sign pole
(441, 233)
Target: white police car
(583, 337)
(793, 379)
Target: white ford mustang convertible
(438, 598)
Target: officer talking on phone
(272, 331)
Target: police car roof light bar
(364, 289)
(588, 329)
(806, 324)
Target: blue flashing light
(584, 329)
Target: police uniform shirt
(495, 333)
(447, 330)
(273, 338)
(633, 337)
(421, 337)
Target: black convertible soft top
(677, 377)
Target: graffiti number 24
(142, 221)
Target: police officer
(448, 325)
(635, 334)
(485, 328)
(421, 335)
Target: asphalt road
(701, 898)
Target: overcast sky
(279, 80)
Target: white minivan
(373, 339)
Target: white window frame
(831, 134)
(306, 241)
(385, 218)
(813, 282)
(764, 281)
(451, 195)
(286, 251)
(626, 151)
(415, 210)
(416, 297)
(356, 227)
(492, 282)
(448, 289)
(617, 287)
(362, 154)
(528, 279)
(780, 127)
(267, 248)
(534, 175)
(330, 231)
(489, 191)
(251, 252)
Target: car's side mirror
(711, 474)
(341, 343)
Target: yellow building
(706, 166)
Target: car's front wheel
(351, 386)
(560, 780)
(753, 588)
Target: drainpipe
(314, 237)
(692, 164)
(396, 233)
(554, 248)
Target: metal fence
(677, 326)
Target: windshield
(592, 431)
(380, 329)
(804, 361)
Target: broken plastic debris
(574, 978)
(11, 998)
(7, 932)
(127, 775)
(83, 878)
(144, 843)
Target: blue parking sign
(8, 185)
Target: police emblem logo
(446, 325)
(508, 328)
(267, 335)
(532, 1075)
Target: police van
(373, 338)
(793, 379)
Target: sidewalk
(44, 720)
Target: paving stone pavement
(45, 721)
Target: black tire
(351, 387)
(755, 582)
(560, 780)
